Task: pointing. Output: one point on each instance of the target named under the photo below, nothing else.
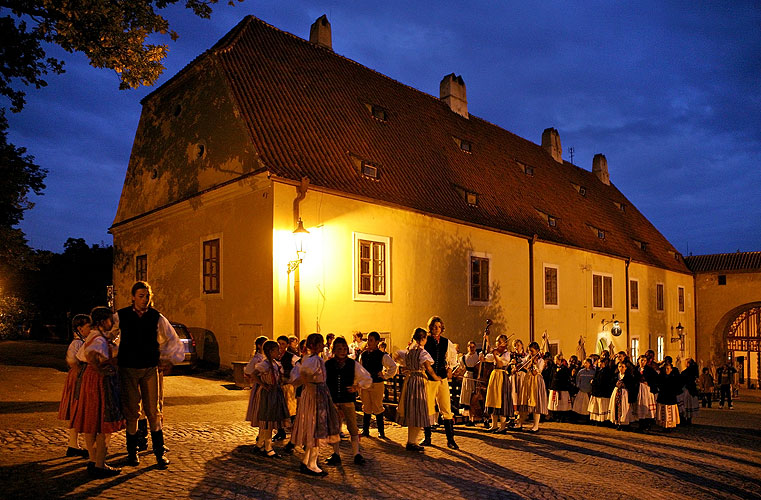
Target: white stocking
(313, 453)
(355, 445)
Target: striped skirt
(252, 412)
(517, 379)
(599, 409)
(413, 403)
(645, 402)
(581, 403)
(667, 416)
(499, 394)
(559, 401)
(620, 411)
(317, 420)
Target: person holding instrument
(533, 392)
(469, 365)
(499, 401)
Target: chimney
(600, 168)
(452, 92)
(551, 144)
(319, 33)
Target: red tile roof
(739, 261)
(307, 112)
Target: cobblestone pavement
(719, 456)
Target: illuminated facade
(413, 206)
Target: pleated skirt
(517, 379)
(466, 389)
(667, 416)
(273, 409)
(645, 402)
(413, 404)
(559, 401)
(69, 396)
(499, 394)
(581, 403)
(688, 404)
(599, 409)
(317, 421)
(98, 409)
(252, 412)
(533, 395)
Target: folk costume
(690, 395)
(584, 383)
(444, 357)
(344, 378)
(70, 393)
(599, 400)
(470, 364)
(623, 399)
(560, 390)
(413, 403)
(669, 387)
(648, 390)
(317, 420)
(381, 367)
(270, 409)
(499, 393)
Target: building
(728, 311)
(413, 207)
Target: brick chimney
(452, 92)
(600, 168)
(551, 144)
(319, 33)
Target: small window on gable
(582, 191)
(621, 206)
(641, 244)
(465, 146)
(552, 221)
(369, 170)
(601, 234)
(526, 169)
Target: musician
(499, 400)
(518, 374)
(533, 392)
(468, 365)
(444, 358)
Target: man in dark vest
(381, 367)
(148, 344)
(444, 356)
(345, 377)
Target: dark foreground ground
(719, 456)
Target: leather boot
(366, 425)
(142, 434)
(449, 429)
(379, 422)
(157, 438)
(427, 436)
(132, 458)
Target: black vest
(438, 352)
(340, 379)
(372, 361)
(287, 361)
(139, 347)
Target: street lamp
(615, 329)
(299, 237)
(679, 333)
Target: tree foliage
(113, 34)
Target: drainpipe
(531, 287)
(628, 299)
(302, 190)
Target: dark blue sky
(670, 92)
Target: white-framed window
(602, 291)
(659, 297)
(680, 295)
(479, 278)
(634, 295)
(634, 349)
(371, 268)
(660, 345)
(551, 296)
(211, 265)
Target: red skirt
(97, 410)
(68, 398)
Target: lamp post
(679, 338)
(299, 236)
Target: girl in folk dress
(248, 372)
(270, 408)
(499, 401)
(584, 383)
(519, 355)
(468, 363)
(690, 392)
(602, 387)
(98, 412)
(624, 397)
(533, 392)
(317, 420)
(648, 389)
(80, 325)
(669, 386)
(560, 389)
(413, 404)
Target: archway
(743, 343)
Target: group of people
(116, 362)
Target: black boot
(157, 438)
(132, 458)
(279, 436)
(379, 422)
(366, 425)
(142, 435)
(449, 429)
(427, 438)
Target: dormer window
(580, 189)
(365, 168)
(526, 169)
(369, 170)
(379, 113)
(621, 206)
(472, 199)
(552, 221)
(601, 234)
(641, 244)
(465, 146)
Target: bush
(15, 318)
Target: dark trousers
(705, 399)
(725, 392)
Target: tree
(112, 34)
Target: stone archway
(737, 335)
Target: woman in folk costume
(533, 392)
(270, 409)
(602, 387)
(584, 383)
(519, 356)
(648, 390)
(248, 372)
(624, 396)
(317, 421)
(669, 387)
(413, 404)
(468, 364)
(80, 325)
(560, 389)
(98, 410)
(690, 393)
(499, 399)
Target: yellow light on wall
(300, 236)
